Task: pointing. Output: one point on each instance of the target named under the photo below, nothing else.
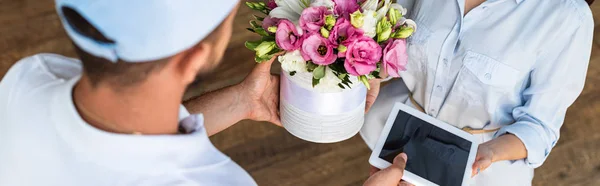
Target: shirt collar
(131, 152)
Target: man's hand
(256, 98)
(390, 176)
(260, 91)
(372, 93)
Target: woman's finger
(480, 165)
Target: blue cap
(145, 30)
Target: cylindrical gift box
(317, 115)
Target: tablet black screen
(433, 153)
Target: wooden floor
(274, 157)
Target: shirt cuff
(532, 136)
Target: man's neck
(141, 109)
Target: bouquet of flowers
(331, 48)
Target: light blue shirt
(516, 65)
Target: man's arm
(256, 98)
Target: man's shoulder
(53, 65)
(34, 72)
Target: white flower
(370, 23)
(329, 83)
(411, 23)
(326, 3)
(289, 9)
(370, 5)
(293, 62)
(399, 7)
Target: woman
(508, 69)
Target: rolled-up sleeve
(556, 81)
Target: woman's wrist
(506, 147)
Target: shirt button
(484, 7)
(445, 62)
(439, 88)
(431, 112)
(488, 76)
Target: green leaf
(342, 76)
(259, 59)
(256, 6)
(255, 25)
(315, 82)
(347, 84)
(319, 72)
(250, 5)
(261, 31)
(252, 44)
(310, 67)
(306, 3)
(365, 81)
(292, 73)
(341, 86)
(377, 71)
(258, 18)
(268, 38)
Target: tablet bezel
(409, 176)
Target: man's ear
(192, 61)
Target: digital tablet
(438, 153)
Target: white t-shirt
(44, 141)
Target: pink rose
(362, 56)
(269, 22)
(313, 18)
(343, 8)
(271, 4)
(344, 33)
(395, 57)
(288, 37)
(318, 49)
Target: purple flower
(318, 49)
(313, 18)
(362, 56)
(269, 22)
(343, 8)
(288, 37)
(395, 57)
(271, 4)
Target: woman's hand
(391, 176)
(483, 160)
(505, 147)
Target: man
(115, 118)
